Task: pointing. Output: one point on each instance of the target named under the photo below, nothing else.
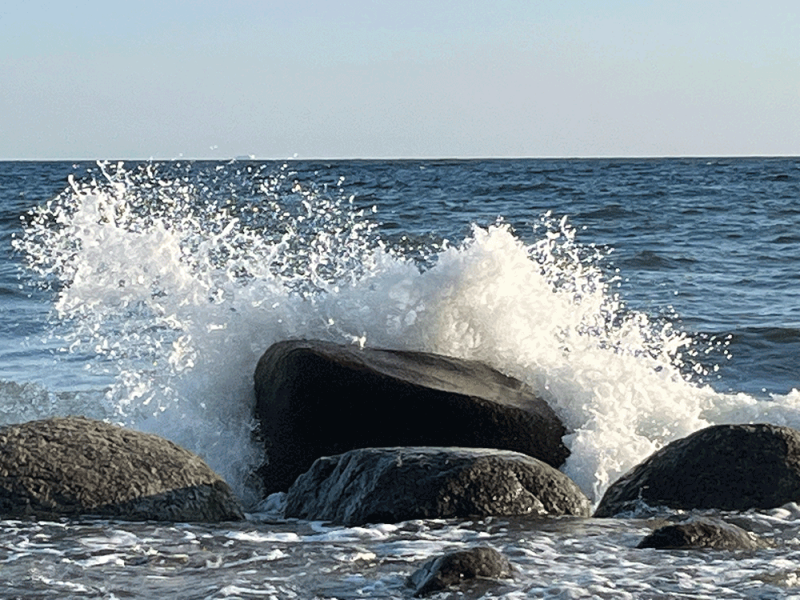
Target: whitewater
(161, 285)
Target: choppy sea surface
(642, 298)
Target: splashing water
(176, 281)
(177, 284)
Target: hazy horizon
(397, 158)
(370, 79)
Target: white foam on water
(179, 284)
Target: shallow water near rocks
(272, 558)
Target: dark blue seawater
(712, 244)
(715, 242)
(143, 293)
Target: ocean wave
(177, 277)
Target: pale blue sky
(398, 78)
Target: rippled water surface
(560, 558)
(643, 299)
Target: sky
(165, 79)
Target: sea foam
(175, 279)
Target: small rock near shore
(457, 567)
(701, 533)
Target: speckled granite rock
(76, 466)
(372, 485)
(728, 467)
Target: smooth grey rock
(374, 485)
(457, 567)
(76, 466)
(727, 467)
(318, 399)
(698, 534)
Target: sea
(643, 299)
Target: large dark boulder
(374, 485)
(702, 533)
(458, 567)
(76, 466)
(319, 399)
(727, 467)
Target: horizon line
(255, 158)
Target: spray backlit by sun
(177, 277)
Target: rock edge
(75, 466)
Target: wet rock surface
(374, 485)
(727, 467)
(698, 534)
(317, 399)
(456, 568)
(76, 466)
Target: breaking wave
(172, 279)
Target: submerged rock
(727, 467)
(320, 399)
(702, 533)
(457, 567)
(388, 485)
(76, 466)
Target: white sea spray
(177, 282)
